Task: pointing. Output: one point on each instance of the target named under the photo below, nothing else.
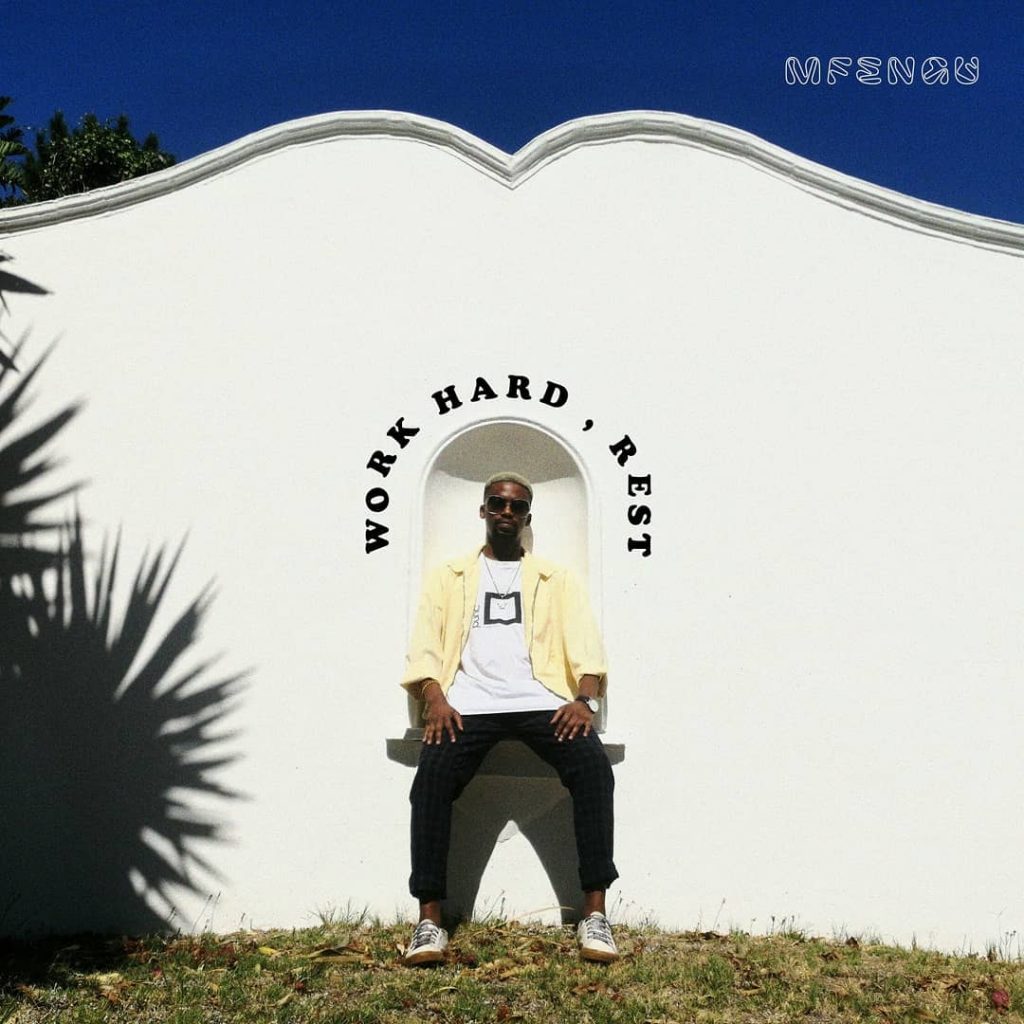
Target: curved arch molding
(513, 170)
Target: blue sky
(203, 74)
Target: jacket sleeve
(424, 656)
(584, 651)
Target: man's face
(505, 525)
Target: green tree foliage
(93, 154)
(68, 160)
(11, 147)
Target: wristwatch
(591, 702)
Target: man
(505, 646)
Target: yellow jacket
(561, 635)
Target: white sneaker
(595, 938)
(427, 945)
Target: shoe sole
(427, 956)
(598, 956)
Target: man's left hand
(570, 718)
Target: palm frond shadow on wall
(13, 283)
(107, 744)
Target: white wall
(817, 672)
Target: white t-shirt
(495, 674)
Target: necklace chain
(494, 583)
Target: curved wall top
(512, 170)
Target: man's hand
(439, 716)
(570, 718)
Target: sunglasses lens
(519, 506)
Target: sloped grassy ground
(499, 971)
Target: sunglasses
(495, 505)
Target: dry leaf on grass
(103, 980)
(109, 984)
(492, 968)
(593, 986)
(350, 954)
(503, 970)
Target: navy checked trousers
(446, 768)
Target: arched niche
(565, 518)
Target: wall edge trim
(514, 170)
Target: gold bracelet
(423, 686)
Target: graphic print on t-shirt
(495, 674)
(502, 609)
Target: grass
(498, 971)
